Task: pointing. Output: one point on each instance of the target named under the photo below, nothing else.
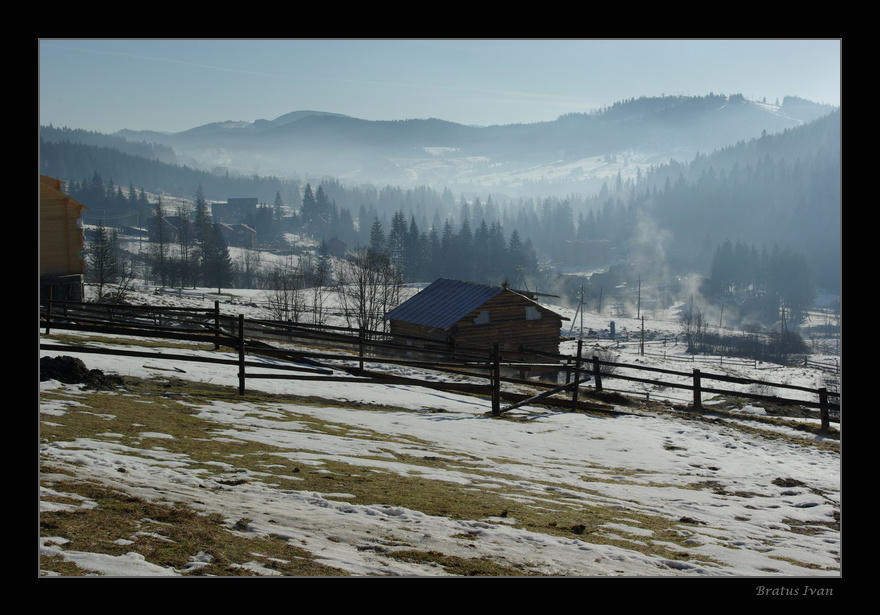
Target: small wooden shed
(469, 315)
(62, 266)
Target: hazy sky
(173, 85)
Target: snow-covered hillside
(655, 491)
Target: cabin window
(483, 318)
(532, 313)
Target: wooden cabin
(62, 267)
(234, 210)
(335, 247)
(238, 235)
(164, 230)
(468, 315)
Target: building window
(532, 313)
(483, 318)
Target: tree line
(186, 249)
(781, 190)
(766, 285)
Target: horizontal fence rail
(343, 354)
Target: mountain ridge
(576, 151)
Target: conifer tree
(202, 221)
(186, 241)
(278, 209)
(516, 257)
(216, 262)
(397, 240)
(309, 210)
(102, 258)
(413, 253)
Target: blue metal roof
(443, 303)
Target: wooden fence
(342, 354)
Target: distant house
(580, 252)
(238, 235)
(469, 315)
(335, 247)
(62, 267)
(245, 236)
(234, 210)
(134, 231)
(164, 230)
(227, 232)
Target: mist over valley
(652, 199)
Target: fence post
(823, 408)
(216, 325)
(361, 346)
(49, 312)
(698, 401)
(241, 354)
(496, 381)
(577, 374)
(597, 373)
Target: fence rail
(342, 354)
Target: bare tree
(286, 295)
(368, 286)
(124, 282)
(160, 245)
(102, 257)
(317, 276)
(186, 240)
(248, 267)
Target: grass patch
(459, 566)
(169, 535)
(829, 441)
(86, 340)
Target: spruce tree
(102, 258)
(309, 210)
(216, 262)
(377, 240)
(202, 216)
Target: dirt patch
(71, 370)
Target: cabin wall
(510, 320)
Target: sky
(171, 85)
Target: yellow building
(62, 267)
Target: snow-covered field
(728, 496)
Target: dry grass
(169, 534)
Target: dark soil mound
(70, 370)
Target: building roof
(443, 303)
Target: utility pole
(642, 346)
(639, 302)
(582, 311)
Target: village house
(164, 229)
(62, 267)
(587, 252)
(335, 247)
(238, 235)
(234, 210)
(477, 316)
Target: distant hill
(148, 148)
(663, 180)
(781, 190)
(573, 152)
